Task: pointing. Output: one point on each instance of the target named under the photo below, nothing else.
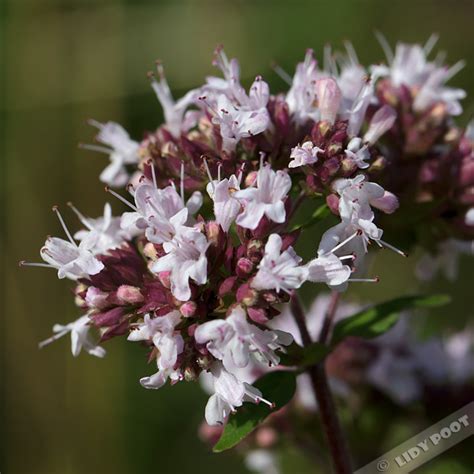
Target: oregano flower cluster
(202, 259)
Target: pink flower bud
(259, 315)
(96, 298)
(333, 203)
(192, 330)
(227, 286)
(244, 267)
(329, 98)
(246, 295)
(188, 309)
(129, 294)
(213, 232)
(164, 278)
(388, 203)
(381, 122)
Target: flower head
(305, 154)
(177, 119)
(279, 270)
(160, 331)
(186, 259)
(267, 198)
(122, 151)
(80, 338)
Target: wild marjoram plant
(201, 265)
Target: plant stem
(319, 382)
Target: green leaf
(320, 213)
(298, 356)
(277, 387)
(380, 318)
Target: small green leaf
(320, 213)
(278, 387)
(380, 318)
(298, 356)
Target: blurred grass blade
(380, 318)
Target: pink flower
(305, 154)
(266, 199)
(279, 270)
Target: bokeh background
(63, 62)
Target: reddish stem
(332, 428)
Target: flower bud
(204, 362)
(333, 203)
(255, 250)
(190, 374)
(388, 203)
(381, 122)
(246, 295)
(150, 251)
(169, 150)
(164, 278)
(259, 315)
(333, 149)
(329, 98)
(95, 298)
(378, 165)
(269, 296)
(213, 232)
(188, 309)
(227, 286)
(244, 267)
(348, 167)
(250, 179)
(129, 294)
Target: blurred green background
(63, 62)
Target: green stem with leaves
(330, 422)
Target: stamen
(53, 338)
(99, 148)
(120, 198)
(344, 242)
(385, 47)
(203, 98)
(454, 69)
(182, 181)
(440, 58)
(95, 123)
(282, 73)
(351, 52)
(270, 404)
(429, 45)
(23, 263)
(241, 173)
(394, 249)
(81, 216)
(153, 174)
(348, 257)
(208, 171)
(64, 226)
(364, 280)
